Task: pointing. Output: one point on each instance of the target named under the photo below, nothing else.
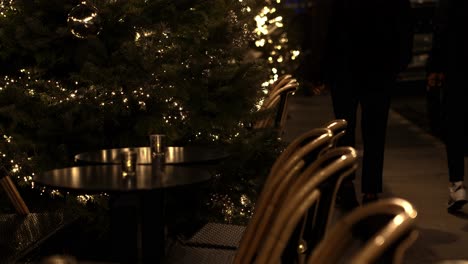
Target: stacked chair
(338, 129)
(209, 236)
(297, 171)
(297, 215)
(292, 218)
(306, 147)
(266, 242)
(277, 102)
(390, 241)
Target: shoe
(457, 196)
(369, 198)
(346, 197)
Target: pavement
(414, 169)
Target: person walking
(368, 43)
(448, 62)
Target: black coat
(368, 37)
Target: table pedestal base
(138, 227)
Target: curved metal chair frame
(338, 128)
(333, 166)
(402, 224)
(282, 80)
(291, 162)
(13, 195)
(278, 98)
(275, 189)
(208, 235)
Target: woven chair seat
(180, 254)
(218, 235)
(21, 234)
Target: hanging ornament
(84, 21)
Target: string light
(6, 6)
(268, 23)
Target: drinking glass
(129, 162)
(158, 144)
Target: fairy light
(6, 6)
(269, 22)
(295, 54)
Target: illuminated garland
(270, 24)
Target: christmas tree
(84, 75)
(108, 73)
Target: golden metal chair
(331, 168)
(311, 141)
(280, 82)
(13, 195)
(277, 100)
(338, 128)
(399, 229)
(209, 236)
(290, 163)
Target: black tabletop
(108, 178)
(174, 155)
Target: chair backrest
(278, 98)
(297, 143)
(338, 239)
(338, 128)
(281, 81)
(315, 223)
(282, 175)
(333, 166)
(13, 195)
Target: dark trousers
(455, 117)
(373, 95)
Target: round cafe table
(108, 178)
(136, 202)
(174, 155)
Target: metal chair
(316, 222)
(209, 236)
(13, 195)
(289, 161)
(283, 173)
(300, 197)
(329, 169)
(282, 80)
(398, 232)
(338, 128)
(24, 231)
(277, 100)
